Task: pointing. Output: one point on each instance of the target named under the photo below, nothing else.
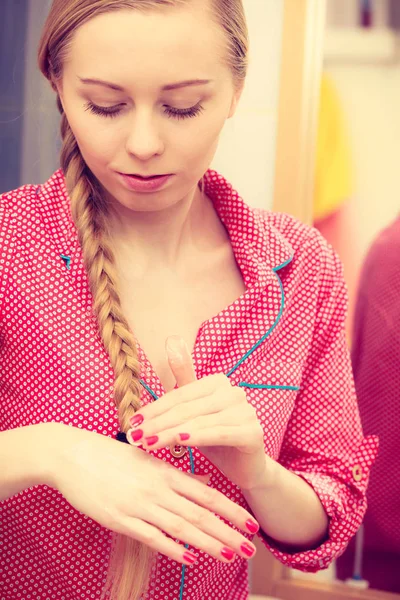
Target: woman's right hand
(131, 492)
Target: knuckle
(197, 517)
(171, 476)
(113, 519)
(177, 527)
(241, 395)
(209, 497)
(250, 411)
(147, 537)
(223, 435)
(185, 412)
(222, 379)
(152, 490)
(259, 437)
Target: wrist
(46, 442)
(266, 479)
(59, 440)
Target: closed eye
(114, 111)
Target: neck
(165, 239)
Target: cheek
(209, 142)
(202, 141)
(96, 140)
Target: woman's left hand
(208, 413)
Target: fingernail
(252, 526)
(176, 347)
(227, 553)
(136, 434)
(136, 420)
(184, 436)
(189, 557)
(151, 440)
(247, 549)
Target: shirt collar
(260, 250)
(256, 243)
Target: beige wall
(246, 152)
(369, 86)
(371, 99)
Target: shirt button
(357, 472)
(178, 451)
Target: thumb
(180, 360)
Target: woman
(100, 268)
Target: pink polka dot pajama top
(283, 341)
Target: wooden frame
(311, 590)
(301, 68)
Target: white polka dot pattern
(291, 360)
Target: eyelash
(170, 112)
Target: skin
(142, 53)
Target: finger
(198, 389)
(213, 500)
(180, 360)
(226, 428)
(180, 529)
(207, 522)
(202, 478)
(244, 438)
(155, 539)
(182, 414)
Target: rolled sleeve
(324, 442)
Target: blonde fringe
(131, 561)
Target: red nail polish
(136, 435)
(151, 440)
(184, 437)
(189, 557)
(247, 549)
(227, 553)
(252, 526)
(136, 420)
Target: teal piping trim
(186, 545)
(260, 341)
(183, 579)
(285, 264)
(191, 459)
(144, 384)
(67, 260)
(192, 466)
(268, 387)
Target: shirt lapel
(261, 251)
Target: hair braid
(88, 213)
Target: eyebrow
(171, 86)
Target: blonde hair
(131, 561)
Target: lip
(146, 176)
(138, 184)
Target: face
(142, 128)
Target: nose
(144, 139)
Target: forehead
(157, 44)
